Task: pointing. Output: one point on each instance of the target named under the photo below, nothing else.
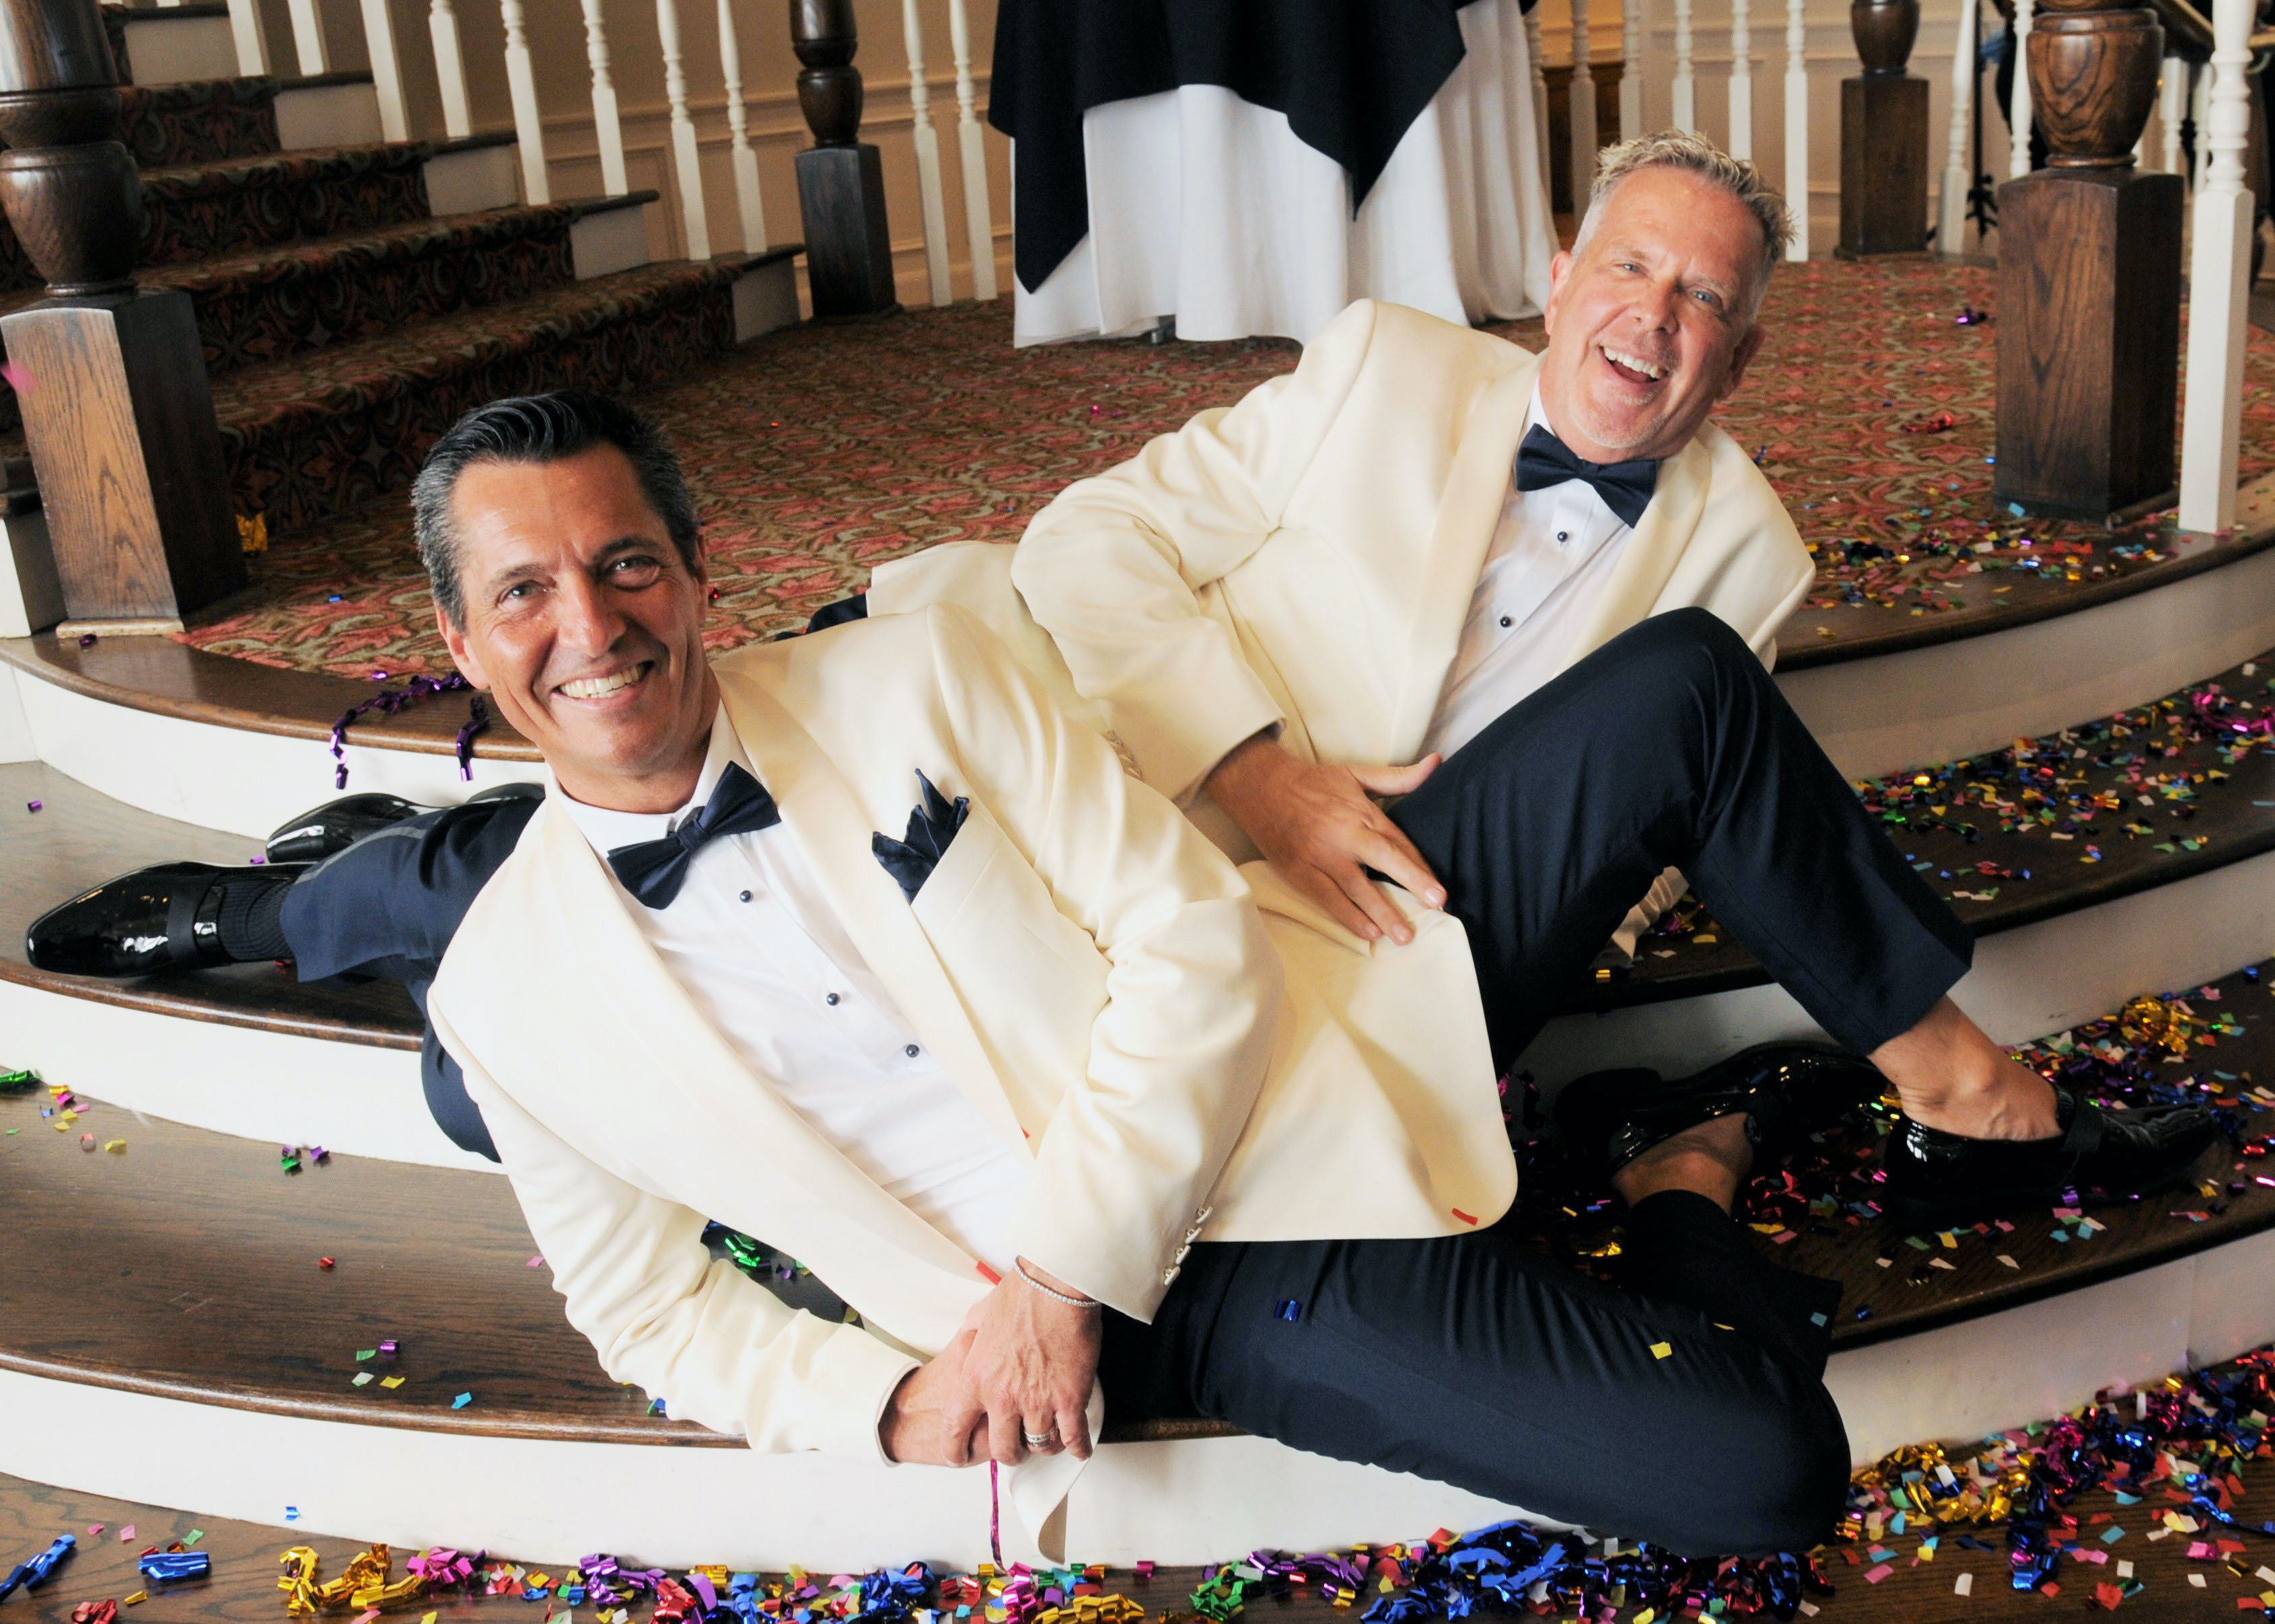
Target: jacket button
(830, 999)
(1183, 1250)
(1506, 623)
(1169, 1275)
(911, 1051)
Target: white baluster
(2172, 102)
(686, 157)
(385, 70)
(528, 129)
(2219, 292)
(1533, 49)
(1951, 216)
(748, 203)
(450, 69)
(607, 127)
(978, 217)
(1583, 110)
(1797, 126)
(1631, 37)
(250, 38)
(308, 42)
(1741, 80)
(2019, 114)
(1686, 96)
(926, 139)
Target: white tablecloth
(1208, 208)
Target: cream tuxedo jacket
(1094, 976)
(1306, 557)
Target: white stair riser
(179, 50)
(614, 240)
(2027, 983)
(1894, 711)
(472, 179)
(1189, 1501)
(228, 778)
(327, 115)
(353, 1097)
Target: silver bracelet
(1020, 1263)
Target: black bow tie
(654, 870)
(1544, 460)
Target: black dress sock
(251, 918)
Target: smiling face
(1648, 323)
(584, 626)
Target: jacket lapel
(638, 1021)
(1652, 551)
(819, 808)
(1477, 485)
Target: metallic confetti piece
(327, 1262)
(163, 1566)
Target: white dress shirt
(1552, 551)
(759, 948)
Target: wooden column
(841, 181)
(111, 380)
(1883, 136)
(2088, 279)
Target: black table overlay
(1350, 75)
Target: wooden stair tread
(166, 678)
(79, 839)
(1865, 631)
(2234, 819)
(122, 1269)
(277, 168)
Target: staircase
(191, 1352)
(353, 296)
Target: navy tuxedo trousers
(1690, 1410)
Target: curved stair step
(203, 121)
(171, 1293)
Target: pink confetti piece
(535, 1263)
(1873, 1575)
(126, 1533)
(19, 380)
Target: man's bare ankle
(1710, 1159)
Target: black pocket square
(931, 827)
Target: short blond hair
(1696, 155)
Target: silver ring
(1033, 1442)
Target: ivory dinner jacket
(1089, 971)
(1307, 557)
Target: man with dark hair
(1061, 1102)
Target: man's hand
(1030, 1367)
(932, 1419)
(1322, 829)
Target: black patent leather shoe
(336, 825)
(1936, 1180)
(165, 917)
(1786, 1091)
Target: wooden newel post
(1883, 136)
(111, 379)
(2089, 279)
(841, 181)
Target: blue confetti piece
(461, 1401)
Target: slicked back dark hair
(540, 428)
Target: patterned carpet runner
(817, 453)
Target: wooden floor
(242, 1587)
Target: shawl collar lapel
(1476, 484)
(638, 1021)
(820, 810)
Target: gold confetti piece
(1661, 1350)
(430, 1618)
(390, 1382)
(139, 1596)
(116, 1147)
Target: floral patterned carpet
(816, 453)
